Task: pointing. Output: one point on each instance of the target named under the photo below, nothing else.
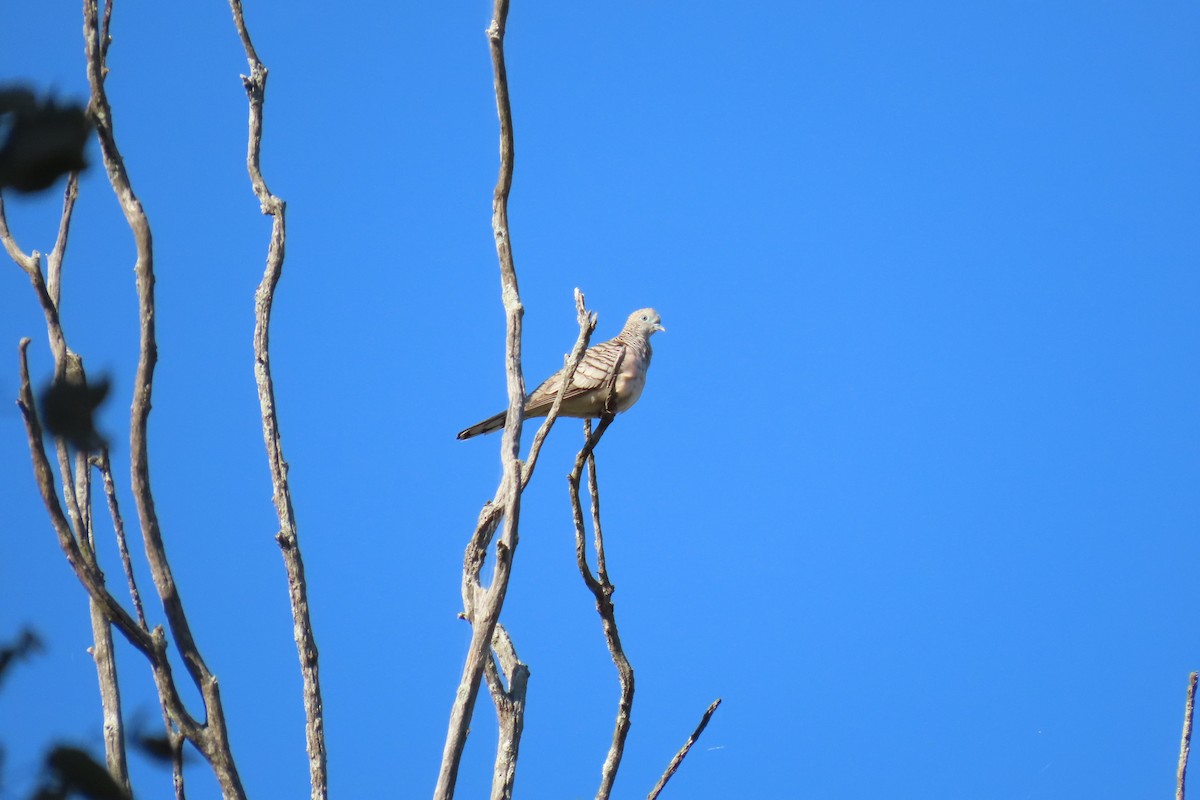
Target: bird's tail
(487, 426)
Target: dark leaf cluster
(40, 140)
(26, 645)
(71, 772)
(69, 407)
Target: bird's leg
(610, 400)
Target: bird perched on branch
(621, 361)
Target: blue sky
(913, 482)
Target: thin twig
(76, 482)
(152, 644)
(88, 575)
(683, 751)
(510, 702)
(473, 592)
(77, 544)
(306, 644)
(597, 530)
(174, 738)
(602, 589)
(31, 265)
(1185, 744)
(72, 369)
(110, 695)
(102, 649)
(114, 512)
(147, 357)
(211, 738)
(587, 326)
(28, 263)
(54, 260)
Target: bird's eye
(645, 318)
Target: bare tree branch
(287, 537)
(673, 767)
(144, 272)
(31, 265)
(175, 740)
(473, 592)
(510, 709)
(152, 644)
(87, 574)
(510, 702)
(481, 607)
(212, 737)
(72, 369)
(102, 649)
(28, 263)
(173, 736)
(76, 485)
(110, 695)
(74, 526)
(587, 326)
(602, 589)
(114, 511)
(1185, 744)
(55, 259)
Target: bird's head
(645, 321)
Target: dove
(588, 393)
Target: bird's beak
(658, 326)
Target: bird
(627, 355)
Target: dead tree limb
(114, 511)
(600, 586)
(306, 644)
(673, 767)
(1185, 744)
(75, 531)
(507, 678)
(102, 649)
(481, 606)
(74, 526)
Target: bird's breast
(631, 380)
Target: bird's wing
(594, 371)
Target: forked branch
(600, 586)
(75, 536)
(507, 679)
(481, 607)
